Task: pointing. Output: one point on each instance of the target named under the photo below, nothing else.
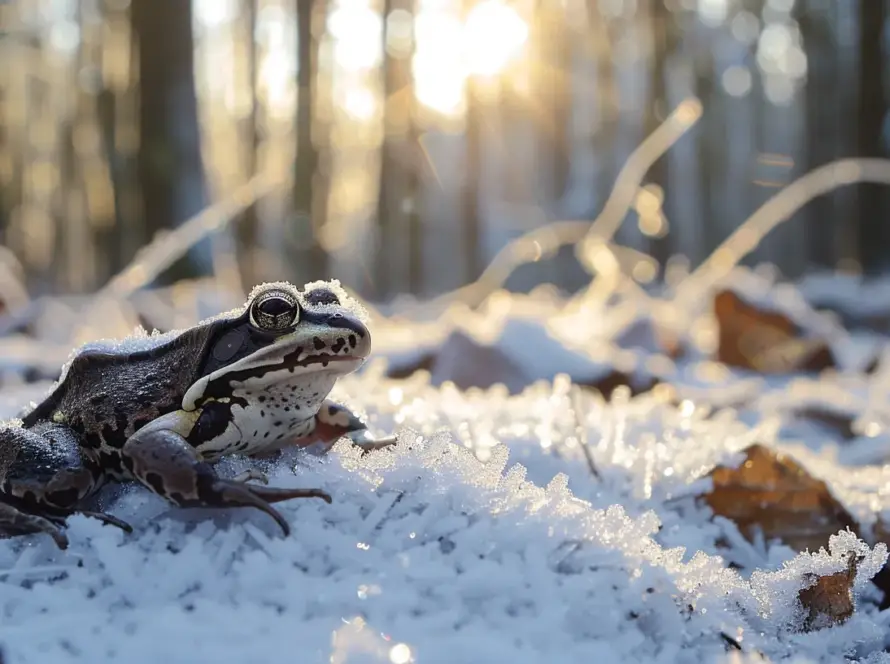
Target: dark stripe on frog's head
(238, 339)
(221, 386)
(329, 337)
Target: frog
(252, 382)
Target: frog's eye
(321, 296)
(274, 311)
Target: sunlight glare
(359, 103)
(494, 34)
(214, 13)
(439, 79)
(277, 71)
(356, 28)
(275, 78)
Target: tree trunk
(171, 170)
(874, 231)
(707, 155)
(607, 99)
(308, 216)
(471, 217)
(397, 204)
(5, 147)
(247, 229)
(554, 92)
(387, 205)
(660, 24)
(820, 215)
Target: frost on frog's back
(140, 339)
(347, 301)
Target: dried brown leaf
(607, 384)
(468, 362)
(765, 341)
(829, 599)
(773, 493)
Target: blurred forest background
(415, 138)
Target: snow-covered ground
(483, 536)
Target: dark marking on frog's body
(149, 378)
(159, 416)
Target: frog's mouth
(310, 363)
(324, 360)
(274, 368)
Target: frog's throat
(268, 361)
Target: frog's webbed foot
(218, 492)
(334, 421)
(164, 462)
(16, 522)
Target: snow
(483, 536)
(429, 553)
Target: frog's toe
(109, 520)
(252, 474)
(231, 493)
(60, 538)
(15, 522)
(369, 445)
(164, 462)
(363, 439)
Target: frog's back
(105, 397)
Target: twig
(597, 234)
(631, 175)
(582, 431)
(777, 209)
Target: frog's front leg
(43, 479)
(16, 521)
(165, 462)
(334, 421)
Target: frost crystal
(482, 536)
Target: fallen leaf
(606, 385)
(466, 362)
(828, 600)
(765, 341)
(772, 493)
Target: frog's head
(283, 344)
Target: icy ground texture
(430, 555)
